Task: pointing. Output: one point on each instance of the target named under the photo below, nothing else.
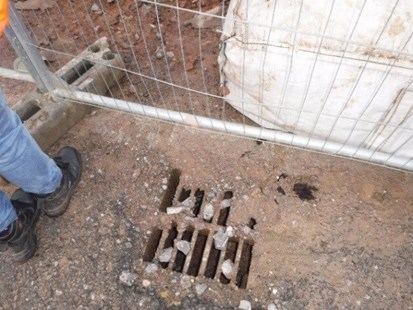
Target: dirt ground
(324, 232)
(349, 247)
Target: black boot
(21, 234)
(69, 161)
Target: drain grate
(202, 257)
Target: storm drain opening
(212, 264)
(199, 198)
(169, 242)
(244, 264)
(198, 253)
(231, 254)
(180, 256)
(213, 250)
(171, 188)
(152, 245)
(224, 212)
(252, 222)
(185, 193)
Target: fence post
(20, 39)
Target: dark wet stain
(305, 191)
(280, 190)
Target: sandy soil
(330, 233)
(351, 246)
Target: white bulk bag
(311, 81)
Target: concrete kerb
(48, 118)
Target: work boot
(69, 161)
(20, 236)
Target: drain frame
(203, 258)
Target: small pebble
(95, 8)
(245, 305)
(151, 268)
(208, 212)
(226, 203)
(166, 255)
(127, 277)
(200, 288)
(186, 282)
(183, 246)
(146, 283)
(227, 267)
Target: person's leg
(7, 212)
(46, 184)
(17, 228)
(22, 162)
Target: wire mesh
(179, 59)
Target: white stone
(227, 268)
(245, 305)
(186, 203)
(127, 277)
(208, 212)
(183, 246)
(151, 268)
(220, 240)
(200, 288)
(246, 230)
(272, 307)
(146, 283)
(174, 210)
(230, 231)
(226, 203)
(186, 282)
(95, 8)
(166, 255)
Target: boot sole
(61, 209)
(30, 245)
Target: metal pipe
(16, 75)
(238, 129)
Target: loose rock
(272, 307)
(226, 203)
(186, 282)
(183, 246)
(208, 212)
(174, 210)
(230, 232)
(166, 255)
(128, 278)
(200, 288)
(186, 203)
(95, 8)
(151, 268)
(146, 283)
(227, 268)
(220, 240)
(245, 305)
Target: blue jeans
(22, 162)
